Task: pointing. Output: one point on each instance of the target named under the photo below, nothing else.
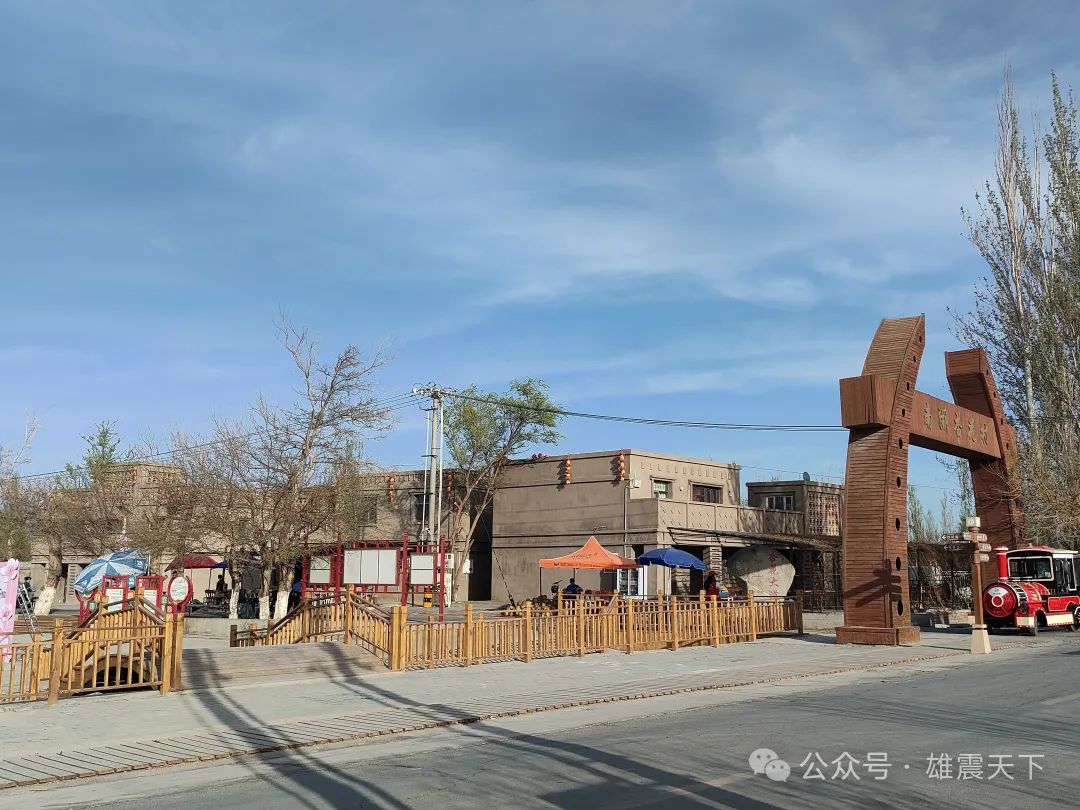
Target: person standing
(711, 586)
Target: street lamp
(980, 639)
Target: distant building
(634, 501)
(631, 500)
(387, 507)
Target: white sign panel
(422, 569)
(370, 566)
(114, 598)
(388, 564)
(319, 571)
(150, 596)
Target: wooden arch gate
(885, 415)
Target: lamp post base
(980, 640)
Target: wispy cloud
(620, 197)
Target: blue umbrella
(130, 563)
(671, 558)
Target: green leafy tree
(86, 507)
(484, 432)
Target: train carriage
(1036, 589)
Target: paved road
(686, 750)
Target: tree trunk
(460, 547)
(234, 589)
(264, 593)
(53, 566)
(286, 577)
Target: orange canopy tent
(590, 555)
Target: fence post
(468, 634)
(629, 626)
(526, 642)
(178, 651)
(347, 615)
(714, 620)
(56, 665)
(673, 621)
(751, 606)
(166, 651)
(701, 628)
(305, 615)
(397, 640)
(580, 626)
(35, 664)
(798, 613)
(430, 641)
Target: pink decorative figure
(9, 591)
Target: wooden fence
(574, 627)
(134, 646)
(348, 617)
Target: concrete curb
(39, 769)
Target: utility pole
(431, 525)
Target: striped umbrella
(129, 562)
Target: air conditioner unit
(635, 483)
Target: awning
(590, 555)
(195, 561)
(672, 558)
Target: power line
(637, 420)
(390, 404)
(684, 423)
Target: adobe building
(388, 506)
(820, 572)
(634, 501)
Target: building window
(418, 506)
(699, 493)
(363, 510)
(662, 490)
(783, 502)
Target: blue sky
(672, 209)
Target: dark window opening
(699, 493)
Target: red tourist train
(1036, 588)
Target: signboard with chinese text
(936, 422)
(763, 569)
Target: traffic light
(567, 471)
(618, 466)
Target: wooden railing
(345, 616)
(582, 626)
(130, 647)
(575, 627)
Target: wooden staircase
(210, 668)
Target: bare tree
(19, 499)
(1027, 311)
(270, 478)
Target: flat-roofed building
(632, 501)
